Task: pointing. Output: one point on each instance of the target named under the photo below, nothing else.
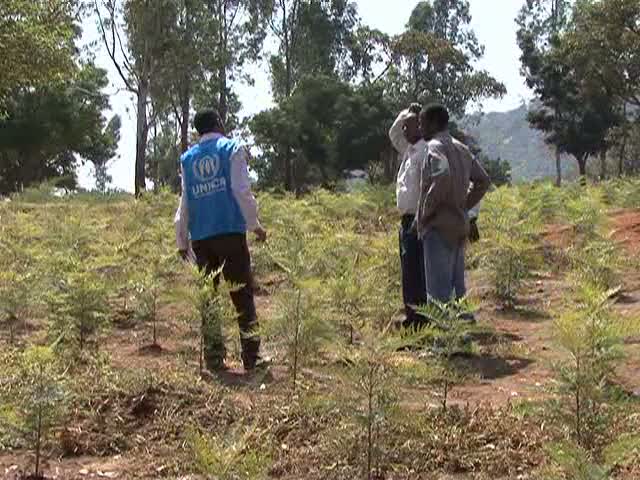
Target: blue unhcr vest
(213, 209)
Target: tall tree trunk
(223, 47)
(603, 164)
(558, 169)
(142, 132)
(223, 104)
(156, 180)
(582, 168)
(185, 104)
(623, 147)
(289, 181)
(185, 91)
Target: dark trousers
(413, 275)
(230, 252)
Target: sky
(493, 22)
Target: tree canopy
(36, 44)
(48, 130)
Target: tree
(499, 170)
(239, 31)
(35, 399)
(36, 45)
(575, 118)
(433, 59)
(330, 127)
(312, 40)
(78, 306)
(163, 152)
(604, 39)
(15, 298)
(205, 45)
(540, 23)
(133, 36)
(47, 130)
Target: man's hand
(261, 234)
(474, 233)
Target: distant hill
(508, 135)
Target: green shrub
(300, 324)
(34, 402)
(509, 248)
(230, 457)
(591, 334)
(78, 306)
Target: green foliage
(597, 263)
(230, 457)
(150, 286)
(499, 170)
(546, 202)
(604, 34)
(34, 402)
(448, 330)
(47, 130)
(302, 327)
(591, 334)
(574, 117)
(574, 462)
(372, 370)
(36, 44)
(78, 306)
(433, 60)
(331, 127)
(214, 314)
(509, 249)
(585, 211)
(15, 299)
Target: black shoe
(468, 318)
(217, 367)
(256, 363)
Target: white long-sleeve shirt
(412, 156)
(240, 186)
(408, 182)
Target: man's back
(447, 174)
(213, 209)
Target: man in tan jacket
(452, 183)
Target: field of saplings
(100, 344)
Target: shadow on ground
(489, 367)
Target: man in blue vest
(216, 210)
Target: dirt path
(526, 353)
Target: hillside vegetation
(509, 136)
(100, 371)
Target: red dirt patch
(559, 236)
(626, 230)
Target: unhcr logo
(206, 168)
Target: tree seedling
(35, 400)
(302, 327)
